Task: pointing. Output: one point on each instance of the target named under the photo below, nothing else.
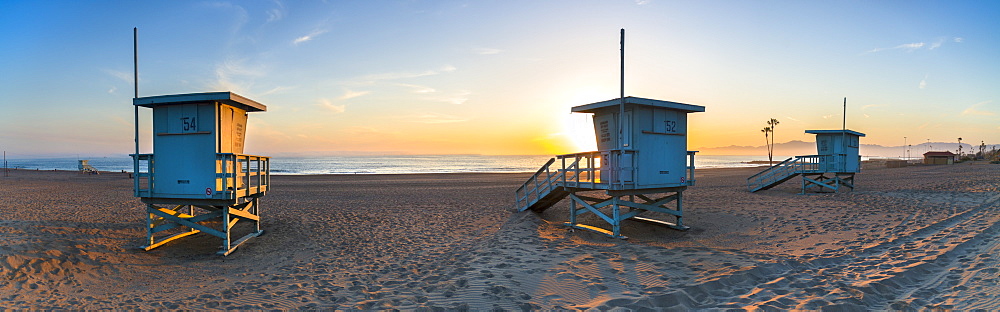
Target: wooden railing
(792, 166)
(586, 170)
(143, 179)
(690, 168)
(540, 183)
(239, 175)
(597, 170)
(236, 176)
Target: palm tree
(770, 129)
(771, 124)
(767, 131)
(959, 148)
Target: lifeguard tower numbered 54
(641, 168)
(198, 180)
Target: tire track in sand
(881, 276)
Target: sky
(498, 77)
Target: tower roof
(228, 98)
(592, 107)
(852, 132)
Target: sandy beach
(907, 238)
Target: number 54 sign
(189, 124)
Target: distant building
(939, 158)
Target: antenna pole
(844, 125)
(135, 66)
(135, 59)
(621, 113)
(621, 108)
(843, 135)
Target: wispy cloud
(866, 107)
(792, 119)
(123, 76)
(237, 67)
(435, 118)
(328, 105)
(417, 88)
(230, 75)
(309, 37)
(239, 12)
(396, 76)
(909, 47)
(923, 82)
(486, 51)
(112, 90)
(936, 44)
(458, 98)
(276, 13)
(974, 110)
(348, 94)
(374, 78)
(643, 2)
(278, 89)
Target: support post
(572, 210)
(149, 225)
(226, 227)
(615, 202)
(680, 210)
(616, 225)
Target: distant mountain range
(807, 148)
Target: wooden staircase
(775, 175)
(542, 190)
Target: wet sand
(912, 237)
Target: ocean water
(377, 164)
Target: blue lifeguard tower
(641, 167)
(198, 180)
(836, 161)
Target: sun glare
(579, 127)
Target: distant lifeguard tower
(85, 167)
(648, 157)
(836, 161)
(198, 162)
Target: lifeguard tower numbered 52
(641, 168)
(641, 165)
(198, 179)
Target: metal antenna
(135, 59)
(621, 107)
(843, 135)
(135, 66)
(621, 117)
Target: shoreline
(367, 174)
